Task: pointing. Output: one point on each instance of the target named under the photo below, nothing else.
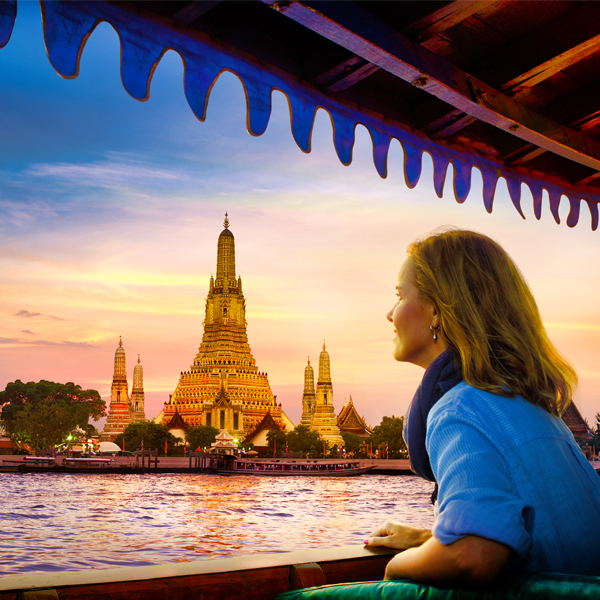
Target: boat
(233, 465)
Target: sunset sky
(110, 210)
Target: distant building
(258, 436)
(223, 387)
(309, 398)
(136, 404)
(576, 423)
(349, 420)
(6, 444)
(317, 409)
(123, 410)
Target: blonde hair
(490, 319)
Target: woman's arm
(471, 560)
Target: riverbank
(168, 464)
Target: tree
(152, 434)
(302, 439)
(389, 433)
(201, 437)
(276, 441)
(42, 414)
(597, 433)
(352, 442)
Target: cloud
(20, 342)
(30, 315)
(106, 174)
(26, 331)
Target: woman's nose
(390, 315)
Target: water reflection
(74, 522)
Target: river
(53, 522)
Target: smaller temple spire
(226, 222)
(324, 346)
(120, 342)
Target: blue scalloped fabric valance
(68, 25)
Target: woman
(514, 492)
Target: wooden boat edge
(271, 574)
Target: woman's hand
(398, 536)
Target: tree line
(43, 414)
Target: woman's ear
(435, 318)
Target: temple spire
(137, 393)
(309, 398)
(225, 256)
(324, 368)
(120, 373)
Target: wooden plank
(443, 19)
(364, 35)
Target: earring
(434, 330)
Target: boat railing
(243, 578)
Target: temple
(576, 423)
(136, 406)
(124, 410)
(309, 398)
(317, 409)
(223, 387)
(349, 420)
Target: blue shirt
(511, 472)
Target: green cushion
(536, 586)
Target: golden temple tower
(324, 420)
(223, 386)
(118, 413)
(309, 399)
(136, 406)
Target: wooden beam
(194, 10)
(443, 19)
(534, 76)
(525, 81)
(361, 33)
(586, 180)
(422, 29)
(345, 74)
(354, 77)
(585, 98)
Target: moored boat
(233, 465)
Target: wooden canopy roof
(508, 87)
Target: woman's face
(412, 319)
